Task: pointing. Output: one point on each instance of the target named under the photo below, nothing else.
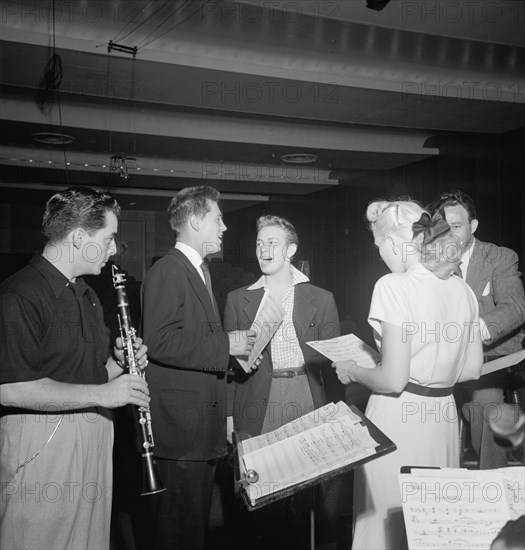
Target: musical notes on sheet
(327, 414)
(348, 346)
(454, 508)
(315, 444)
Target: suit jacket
(494, 277)
(315, 318)
(188, 353)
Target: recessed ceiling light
(299, 158)
(52, 138)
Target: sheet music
(267, 320)
(307, 454)
(456, 508)
(348, 346)
(503, 362)
(328, 413)
(514, 480)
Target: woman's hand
(344, 370)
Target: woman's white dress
(440, 317)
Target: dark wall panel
(334, 235)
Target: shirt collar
(297, 277)
(56, 279)
(466, 256)
(193, 256)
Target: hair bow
(431, 227)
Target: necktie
(207, 280)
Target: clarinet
(151, 481)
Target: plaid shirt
(284, 346)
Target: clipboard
(244, 478)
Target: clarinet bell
(151, 483)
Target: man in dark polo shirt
(58, 374)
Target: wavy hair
(76, 207)
(190, 201)
(454, 198)
(396, 218)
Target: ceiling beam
(120, 190)
(176, 168)
(204, 126)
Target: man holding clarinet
(59, 375)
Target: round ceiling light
(299, 158)
(52, 138)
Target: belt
(288, 373)
(426, 391)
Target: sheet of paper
(503, 362)
(348, 346)
(456, 508)
(307, 455)
(514, 480)
(267, 320)
(329, 413)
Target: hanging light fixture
(299, 158)
(52, 138)
(121, 164)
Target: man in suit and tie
(492, 273)
(189, 356)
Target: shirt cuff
(485, 334)
(121, 364)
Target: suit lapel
(304, 310)
(476, 268)
(252, 301)
(197, 284)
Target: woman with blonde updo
(425, 322)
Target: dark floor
(231, 525)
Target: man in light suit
(187, 375)
(492, 273)
(289, 381)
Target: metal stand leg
(312, 519)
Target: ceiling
(219, 91)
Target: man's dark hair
(190, 201)
(454, 198)
(76, 207)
